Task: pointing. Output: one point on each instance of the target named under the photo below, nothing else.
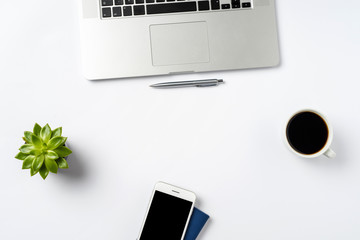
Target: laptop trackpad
(179, 43)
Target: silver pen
(193, 83)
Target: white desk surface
(224, 143)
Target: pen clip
(206, 84)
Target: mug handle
(330, 153)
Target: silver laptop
(131, 38)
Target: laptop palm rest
(179, 43)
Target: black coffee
(307, 132)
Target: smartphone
(168, 213)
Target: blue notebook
(196, 223)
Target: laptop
(133, 38)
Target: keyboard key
(129, 2)
(150, 1)
(235, 3)
(139, 10)
(106, 2)
(246, 5)
(106, 12)
(171, 0)
(203, 5)
(139, 1)
(160, 0)
(127, 11)
(117, 11)
(119, 2)
(215, 4)
(225, 6)
(171, 7)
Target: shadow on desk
(77, 168)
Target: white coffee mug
(326, 150)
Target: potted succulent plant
(44, 151)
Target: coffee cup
(309, 134)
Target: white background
(224, 143)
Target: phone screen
(166, 218)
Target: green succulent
(44, 151)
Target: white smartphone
(168, 213)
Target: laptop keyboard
(127, 8)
